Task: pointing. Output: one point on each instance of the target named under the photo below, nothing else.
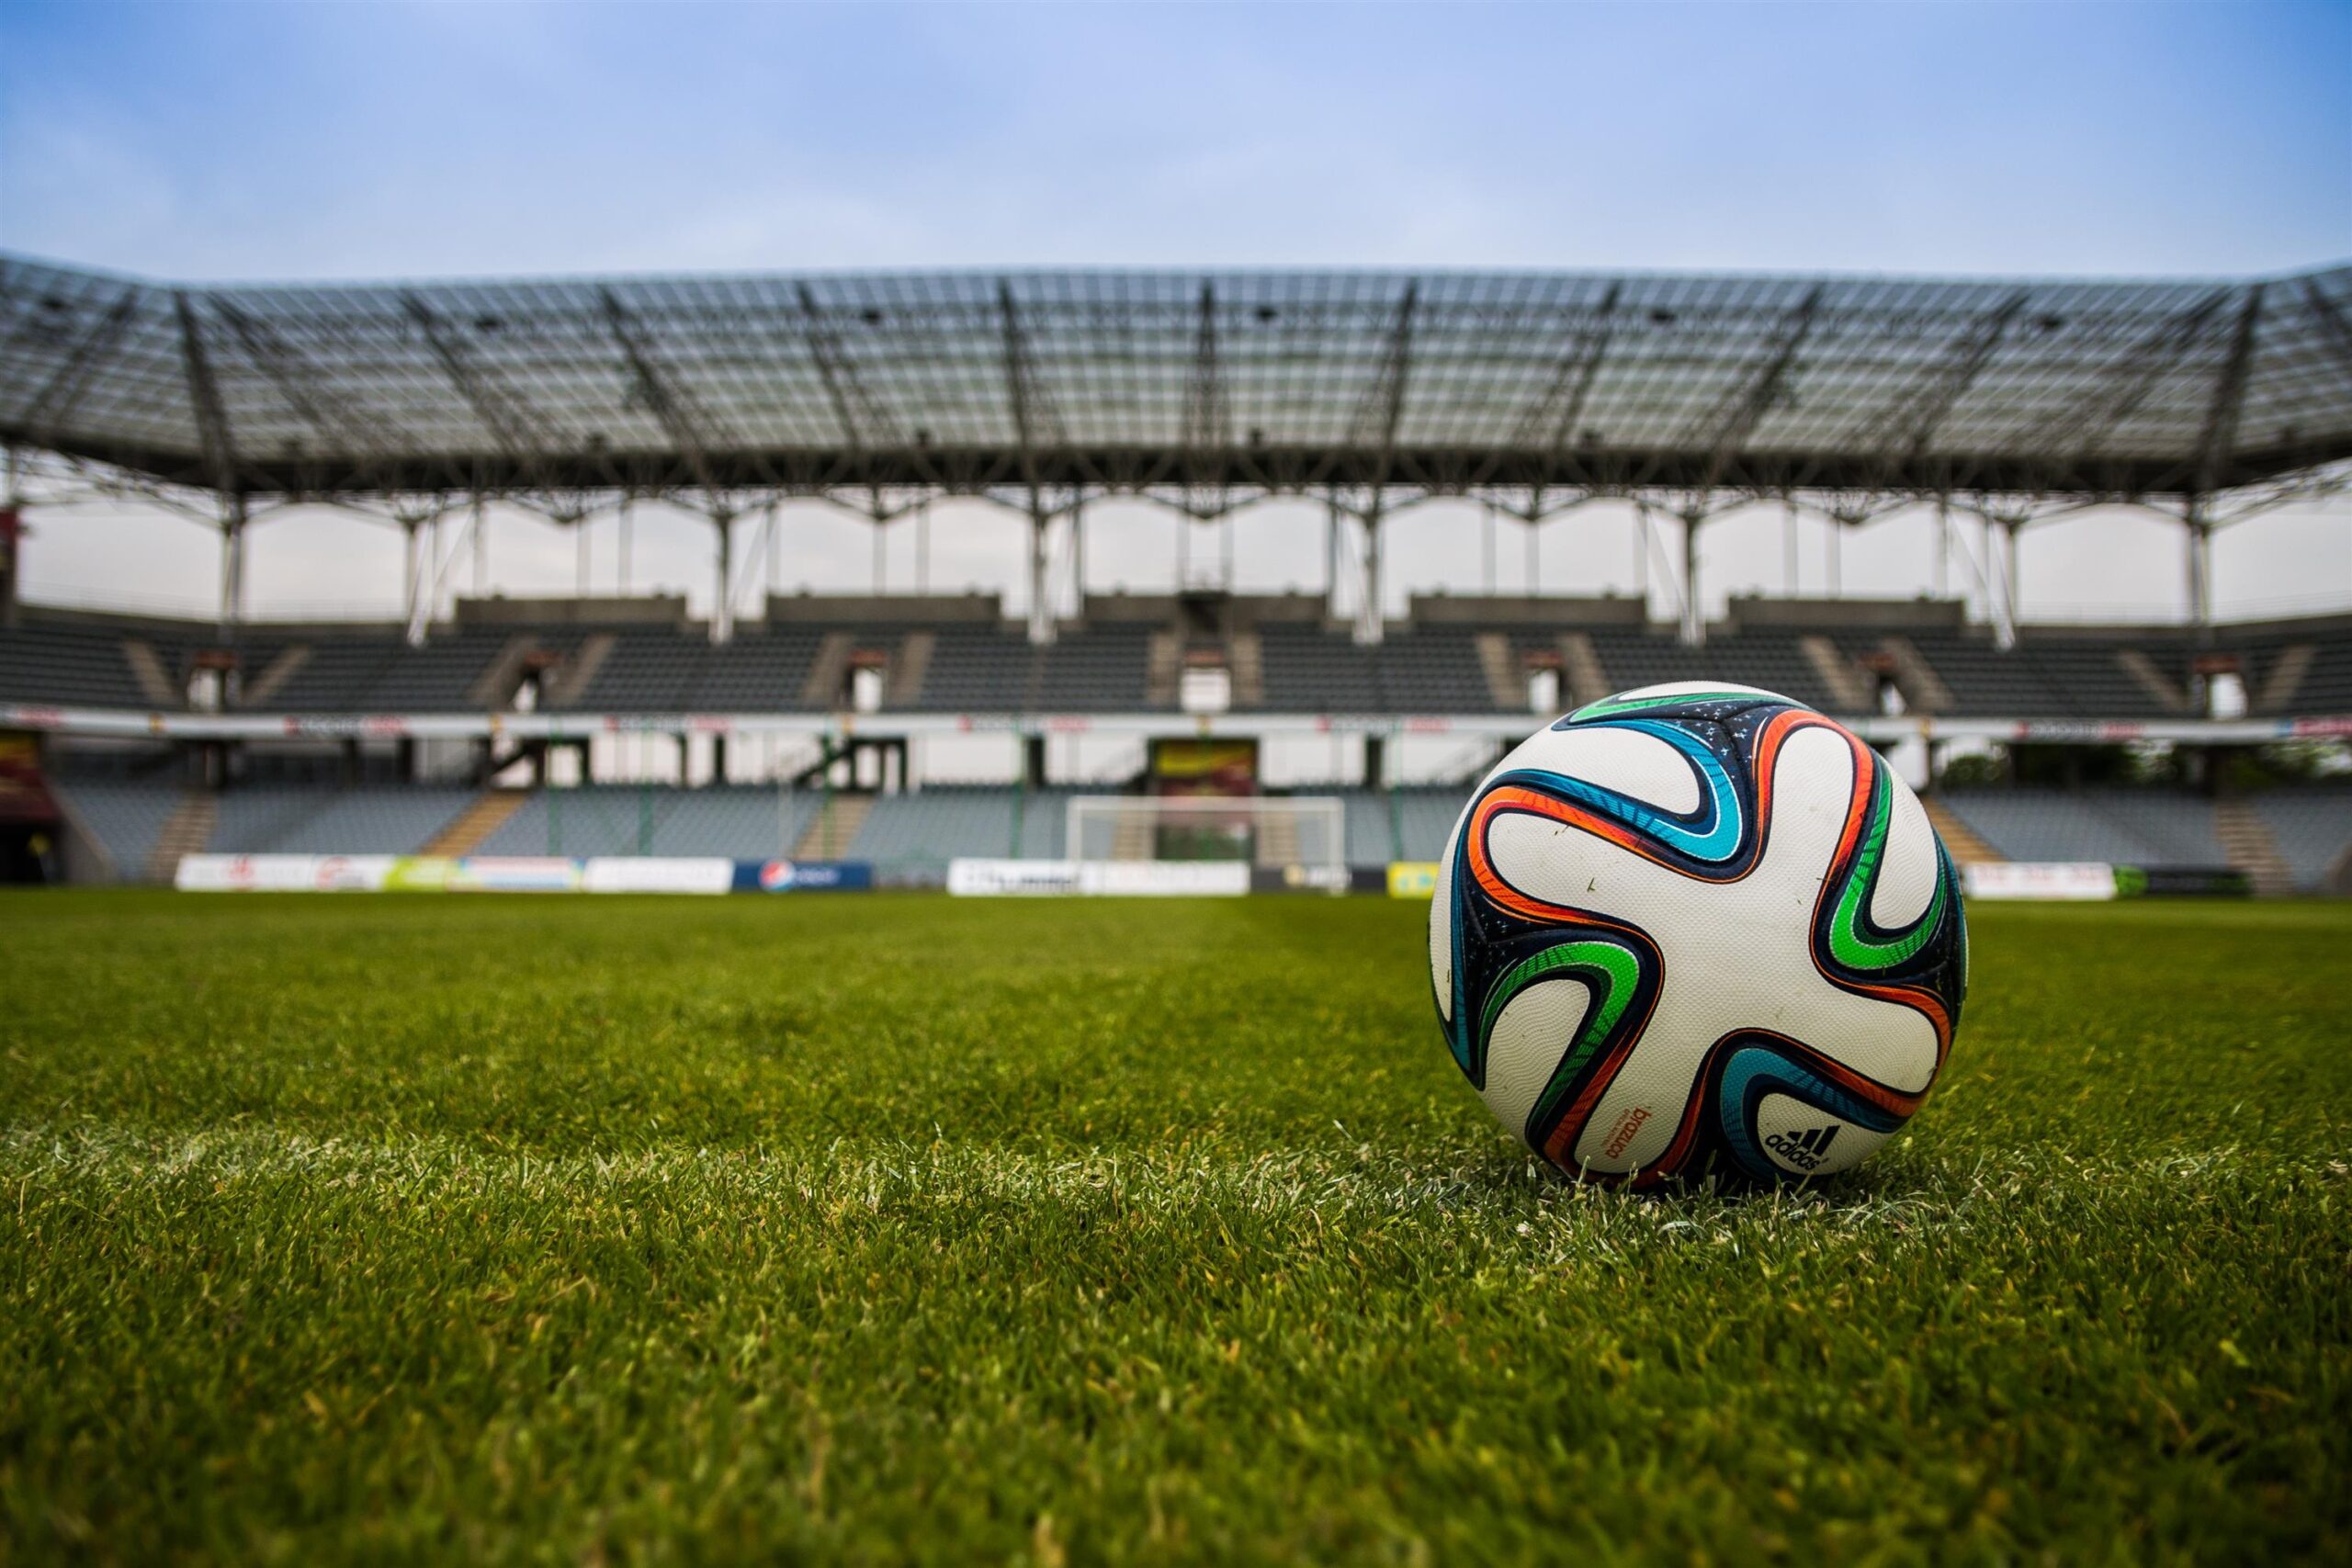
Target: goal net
(1271, 832)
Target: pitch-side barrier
(515, 874)
(2076, 881)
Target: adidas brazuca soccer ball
(1698, 928)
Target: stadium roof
(1268, 380)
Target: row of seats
(1303, 668)
(2156, 828)
(930, 826)
(2127, 827)
(2313, 829)
(746, 822)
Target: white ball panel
(1627, 760)
(1535, 1030)
(1442, 924)
(1791, 1133)
(1906, 877)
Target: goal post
(1268, 832)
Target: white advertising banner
(1164, 878)
(1001, 878)
(655, 873)
(283, 873)
(2079, 880)
(1114, 879)
(513, 874)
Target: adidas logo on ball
(1804, 1150)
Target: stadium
(796, 727)
(698, 869)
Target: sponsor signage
(657, 874)
(420, 873)
(1117, 879)
(513, 874)
(2081, 880)
(969, 878)
(283, 873)
(802, 876)
(1298, 879)
(1165, 878)
(1412, 879)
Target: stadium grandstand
(795, 725)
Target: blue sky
(248, 139)
(252, 140)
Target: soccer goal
(1271, 832)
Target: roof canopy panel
(1281, 379)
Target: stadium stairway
(2252, 849)
(1966, 847)
(147, 669)
(832, 827)
(486, 814)
(185, 831)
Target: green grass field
(898, 1227)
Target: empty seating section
(2313, 828)
(437, 678)
(2039, 678)
(1432, 670)
(124, 815)
(646, 671)
(1100, 669)
(992, 668)
(322, 820)
(759, 671)
(69, 666)
(932, 826)
(977, 669)
(2145, 828)
(1775, 661)
(2092, 678)
(1308, 669)
(336, 675)
(2327, 685)
(746, 822)
(1633, 658)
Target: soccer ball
(1698, 928)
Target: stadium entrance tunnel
(29, 854)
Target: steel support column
(773, 527)
(722, 611)
(1041, 603)
(482, 547)
(1694, 615)
(1641, 555)
(1331, 560)
(1368, 612)
(232, 565)
(1534, 553)
(1488, 542)
(2200, 568)
(1943, 547)
(411, 575)
(1790, 573)
(922, 546)
(1078, 554)
(2004, 572)
(621, 568)
(580, 547)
